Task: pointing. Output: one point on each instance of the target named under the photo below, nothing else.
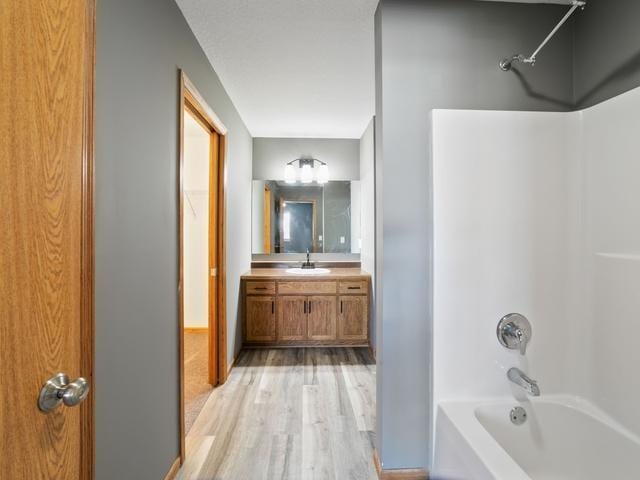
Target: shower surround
(535, 213)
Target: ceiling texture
(293, 68)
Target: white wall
(270, 155)
(539, 213)
(196, 258)
(502, 239)
(368, 216)
(612, 242)
(196, 224)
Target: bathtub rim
(461, 416)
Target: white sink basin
(308, 271)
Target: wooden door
(214, 149)
(261, 319)
(46, 244)
(292, 318)
(353, 317)
(321, 318)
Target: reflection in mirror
(293, 218)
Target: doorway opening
(203, 362)
(298, 225)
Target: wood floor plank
(317, 457)
(198, 449)
(288, 414)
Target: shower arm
(507, 63)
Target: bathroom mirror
(291, 218)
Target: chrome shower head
(506, 64)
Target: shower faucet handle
(514, 332)
(522, 340)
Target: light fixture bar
(307, 171)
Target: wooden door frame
(87, 249)
(267, 196)
(191, 99)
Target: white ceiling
(293, 68)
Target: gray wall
(607, 50)
(437, 54)
(368, 217)
(270, 155)
(141, 44)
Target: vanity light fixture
(306, 175)
(289, 174)
(308, 170)
(323, 173)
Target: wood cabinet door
(261, 319)
(353, 318)
(46, 240)
(321, 318)
(292, 318)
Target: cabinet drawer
(305, 288)
(358, 286)
(261, 288)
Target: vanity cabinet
(292, 313)
(353, 317)
(285, 310)
(306, 318)
(260, 319)
(321, 318)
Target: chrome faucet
(518, 377)
(514, 332)
(308, 264)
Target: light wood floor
(196, 375)
(288, 414)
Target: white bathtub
(563, 438)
